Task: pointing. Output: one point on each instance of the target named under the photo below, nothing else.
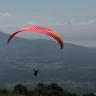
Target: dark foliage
(51, 89)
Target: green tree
(30, 93)
(40, 90)
(48, 90)
(4, 91)
(54, 90)
(21, 89)
(88, 94)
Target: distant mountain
(46, 49)
(18, 58)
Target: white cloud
(75, 31)
(5, 14)
(69, 30)
(93, 21)
(52, 24)
(31, 23)
(69, 22)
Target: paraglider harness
(35, 72)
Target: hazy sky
(74, 20)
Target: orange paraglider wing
(40, 30)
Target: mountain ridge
(73, 63)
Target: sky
(74, 20)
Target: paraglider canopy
(39, 29)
